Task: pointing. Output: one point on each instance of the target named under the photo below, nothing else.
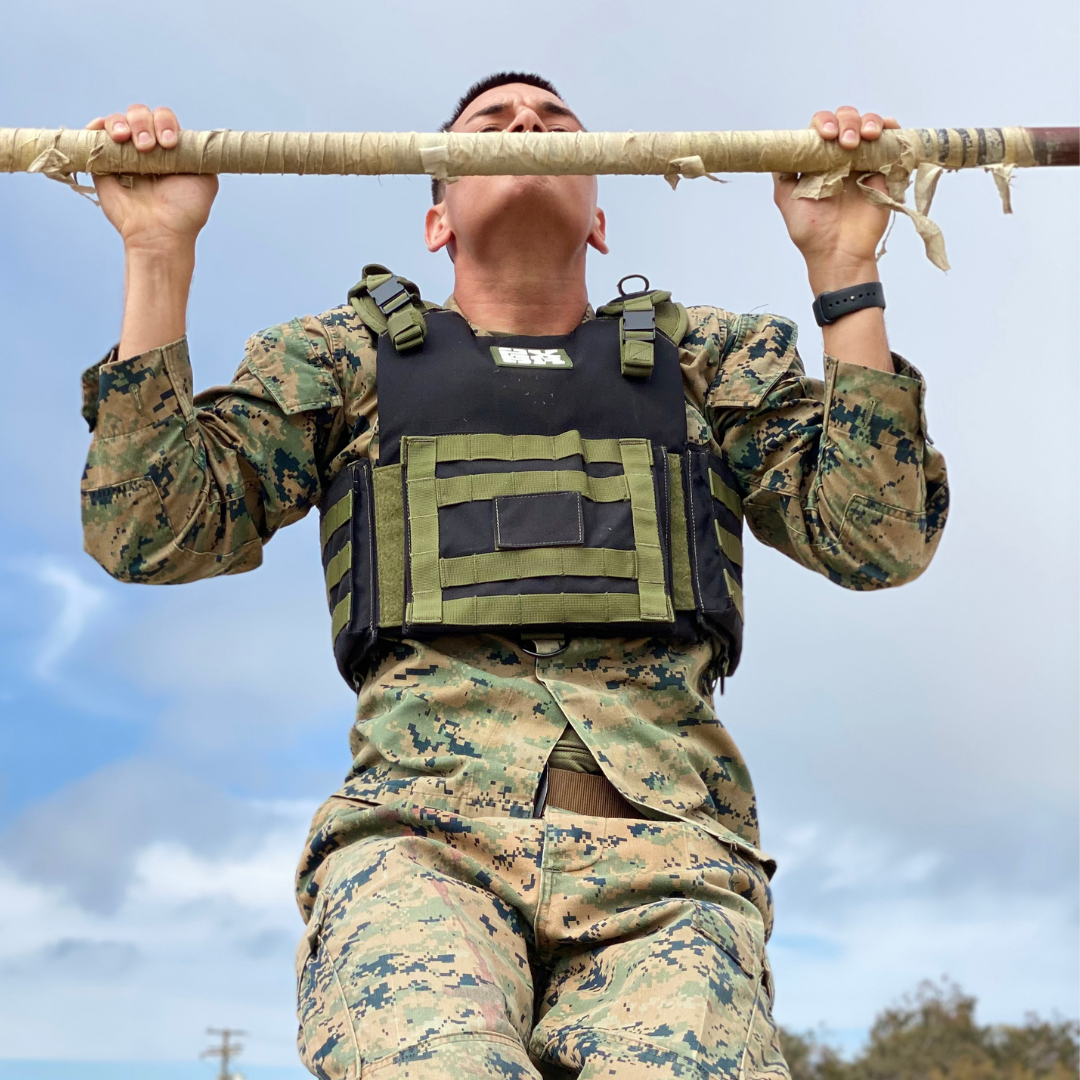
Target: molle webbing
(335, 517)
(542, 609)
(430, 572)
(337, 566)
(538, 562)
(730, 542)
(527, 448)
(479, 487)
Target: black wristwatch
(830, 306)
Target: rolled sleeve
(881, 496)
(839, 475)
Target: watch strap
(830, 306)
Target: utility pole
(226, 1051)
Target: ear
(437, 231)
(598, 236)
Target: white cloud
(79, 600)
(852, 860)
(862, 918)
(841, 967)
(198, 939)
(170, 873)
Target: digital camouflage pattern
(500, 949)
(452, 735)
(838, 476)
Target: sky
(914, 751)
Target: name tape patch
(534, 358)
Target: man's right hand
(161, 214)
(159, 219)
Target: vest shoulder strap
(640, 315)
(390, 305)
(387, 304)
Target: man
(544, 861)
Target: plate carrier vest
(535, 487)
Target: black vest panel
(452, 386)
(526, 486)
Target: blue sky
(162, 749)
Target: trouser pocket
(324, 1038)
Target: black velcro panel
(469, 528)
(547, 519)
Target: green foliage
(932, 1035)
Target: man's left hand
(837, 236)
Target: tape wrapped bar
(510, 153)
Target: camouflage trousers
(443, 946)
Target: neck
(516, 295)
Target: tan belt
(588, 794)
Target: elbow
(127, 531)
(881, 546)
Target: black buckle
(640, 321)
(389, 296)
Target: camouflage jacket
(839, 476)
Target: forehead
(512, 95)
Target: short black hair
(501, 78)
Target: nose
(525, 119)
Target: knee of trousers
(399, 957)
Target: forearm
(858, 338)
(157, 282)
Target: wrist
(157, 284)
(162, 272)
(160, 252)
(828, 276)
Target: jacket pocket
(296, 375)
(759, 350)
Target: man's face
(478, 211)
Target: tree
(932, 1035)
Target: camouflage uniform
(449, 929)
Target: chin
(488, 195)
(525, 209)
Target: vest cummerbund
(525, 486)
